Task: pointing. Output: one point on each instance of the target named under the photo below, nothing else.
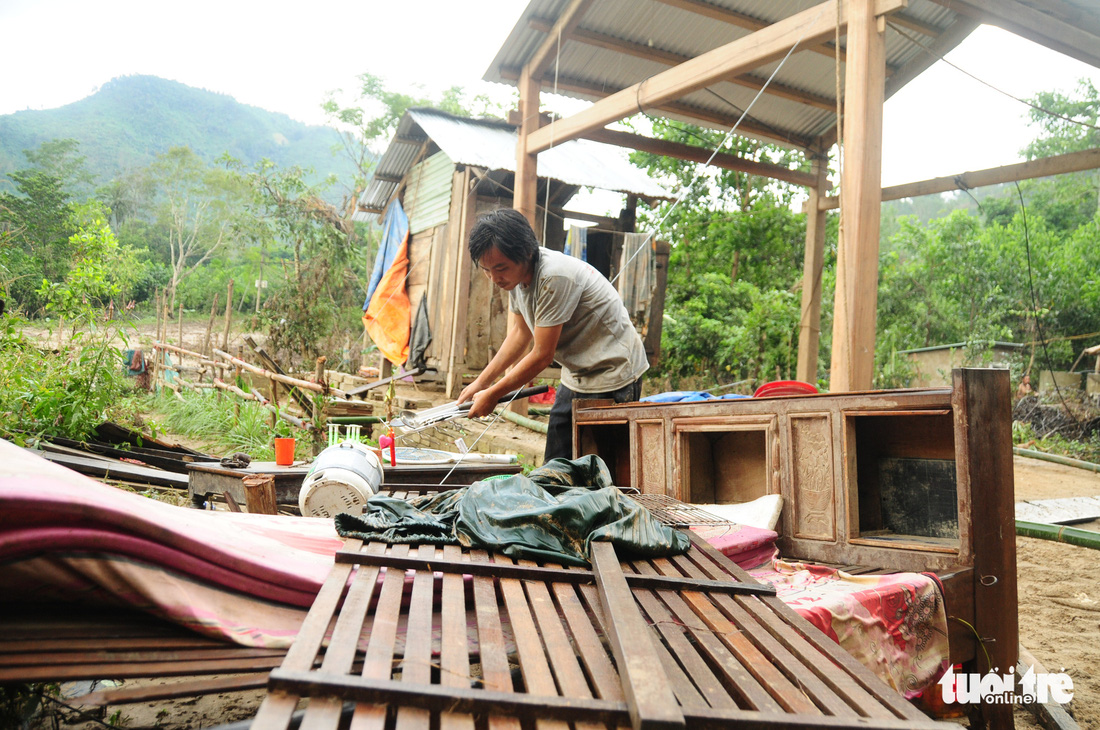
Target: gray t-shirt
(599, 349)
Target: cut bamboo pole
(292, 420)
(228, 315)
(180, 317)
(210, 328)
(182, 351)
(285, 379)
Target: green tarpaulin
(551, 514)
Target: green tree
(197, 206)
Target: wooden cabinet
(903, 480)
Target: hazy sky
(286, 56)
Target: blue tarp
(395, 226)
(686, 396)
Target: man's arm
(534, 362)
(511, 350)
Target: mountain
(131, 119)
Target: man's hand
(484, 403)
(470, 391)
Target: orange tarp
(387, 317)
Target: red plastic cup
(284, 451)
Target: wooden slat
(491, 647)
(589, 647)
(645, 685)
(416, 665)
(801, 678)
(454, 659)
(750, 693)
(324, 712)
(811, 634)
(378, 663)
(191, 688)
(840, 683)
(563, 659)
(537, 678)
(277, 707)
(128, 670)
(530, 571)
(673, 633)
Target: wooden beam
(566, 23)
(742, 55)
(1035, 25)
(853, 350)
(524, 197)
(983, 438)
(669, 58)
(682, 151)
(741, 20)
(601, 220)
(809, 331)
(931, 52)
(695, 114)
(1057, 165)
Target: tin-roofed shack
(448, 170)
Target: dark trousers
(559, 432)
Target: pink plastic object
(784, 387)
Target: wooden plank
(525, 191)
(742, 20)
(378, 663)
(709, 687)
(454, 659)
(670, 58)
(439, 698)
(463, 268)
(325, 712)
(984, 442)
(645, 685)
(739, 628)
(128, 670)
(764, 46)
(277, 707)
(530, 571)
(809, 321)
(567, 21)
(853, 352)
(416, 664)
(682, 151)
(570, 678)
(191, 688)
(810, 633)
(495, 673)
(1055, 165)
(736, 676)
(105, 468)
(537, 678)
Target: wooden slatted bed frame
(895, 481)
(691, 641)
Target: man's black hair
(507, 231)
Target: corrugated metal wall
(428, 193)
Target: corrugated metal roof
(590, 70)
(491, 144)
(428, 194)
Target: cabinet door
(650, 459)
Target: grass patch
(1025, 437)
(225, 422)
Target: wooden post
(206, 344)
(853, 355)
(318, 411)
(809, 331)
(259, 493)
(180, 332)
(228, 315)
(984, 443)
(237, 403)
(526, 191)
